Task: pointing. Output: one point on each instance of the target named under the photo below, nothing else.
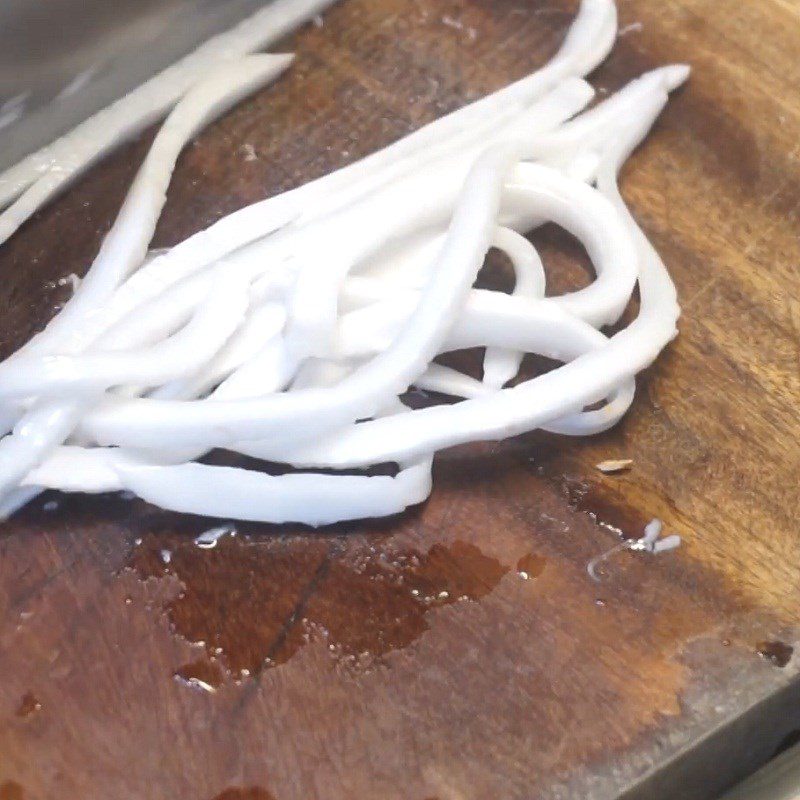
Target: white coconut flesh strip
(48, 422)
(288, 330)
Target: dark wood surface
(409, 659)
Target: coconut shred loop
(289, 330)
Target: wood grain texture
(409, 659)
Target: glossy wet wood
(461, 651)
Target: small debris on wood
(71, 280)
(634, 27)
(615, 465)
(249, 152)
(648, 543)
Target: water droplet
(202, 674)
(166, 556)
(208, 539)
(530, 566)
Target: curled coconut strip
(287, 330)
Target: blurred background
(62, 60)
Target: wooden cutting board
(411, 658)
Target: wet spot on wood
(206, 674)
(369, 606)
(777, 653)
(237, 597)
(242, 793)
(28, 705)
(530, 566)
(605, 508)
(11, 790)
(255, 603)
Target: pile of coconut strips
(289, 330)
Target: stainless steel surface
(723, 757)
(778, 780)
(63, 60)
